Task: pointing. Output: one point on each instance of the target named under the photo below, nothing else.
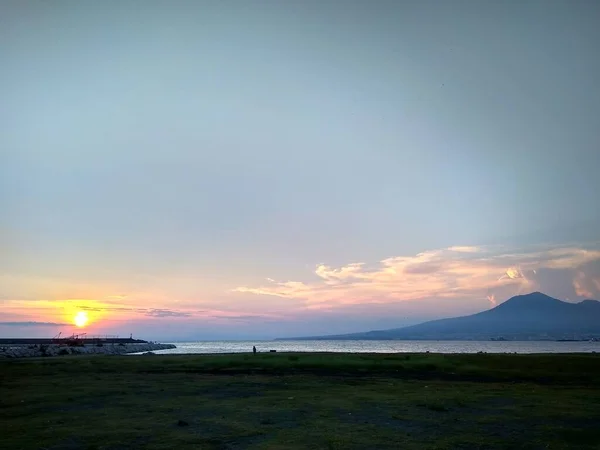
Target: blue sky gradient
(175, 155)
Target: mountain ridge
(523, 317)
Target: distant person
(254, 349)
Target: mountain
(531, 316)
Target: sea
(204, 347)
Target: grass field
(301, 401)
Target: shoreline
(454, 347)
(332, 353)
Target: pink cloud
(456, 272)
(583, 285)
(464, 249)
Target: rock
(23, 351)
(182, 423)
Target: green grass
(299, 401)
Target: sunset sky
(257, 169)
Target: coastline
(446, 347)
(44, 350)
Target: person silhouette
(254, 349)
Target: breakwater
(85, 340)
(38, 350)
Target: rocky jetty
(32, 351)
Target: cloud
(512, 273)
(423, 268)
(33, 324)
(582, 286)
(200, 314)
(464, 249)
(150, 312)
(166, 313)
(245, 317)
(490, 273)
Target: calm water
(385, 346)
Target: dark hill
(531, 316)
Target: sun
(81, 319)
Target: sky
(256, 169)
